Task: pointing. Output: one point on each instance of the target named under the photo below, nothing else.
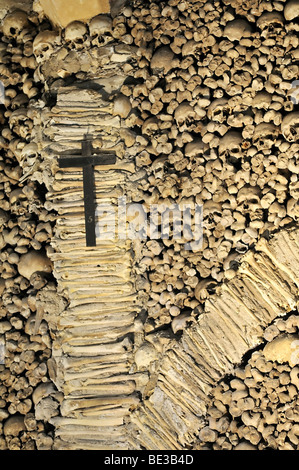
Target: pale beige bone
(290, 127)
(44, 45)
(237, 29)
(268, 22)
(265, 135)
(218, 110)
(282, 349)
(291, 10)
(162, 60)
(230, 144)
(184, 115)
(75, 33)
(32, 262)
(121, 106)
(100, 28)
(14, 23)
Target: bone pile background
(213, 97)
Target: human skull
(290, 127)
(145, 355)
(270, 23)
(196, 148)
(237, 29)
(204, 288)
(121, 106)
(100, 28)
(219, 110)
(181, 322)
(75, 34)
(230, 145)
(44, 45)
(249, 193)
(184, 116)
(158, 167)
(249, 202)
(29, 155)
(191, 48)
(211, 214)
(150, 126)
(294, 53)
(18, 202)
(20, 123)
(211, 207)
(32, 262)
(262, 100)
(4, 217)
(14, 23)
(291, 10)
(265, 136)
(162, 60)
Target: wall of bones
(204, 97)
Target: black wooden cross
(89, 158)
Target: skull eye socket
(234, 264)
(293, 131)
(100, 39)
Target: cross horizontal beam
(67, 161)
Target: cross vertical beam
(89, 197)
(89, 158)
